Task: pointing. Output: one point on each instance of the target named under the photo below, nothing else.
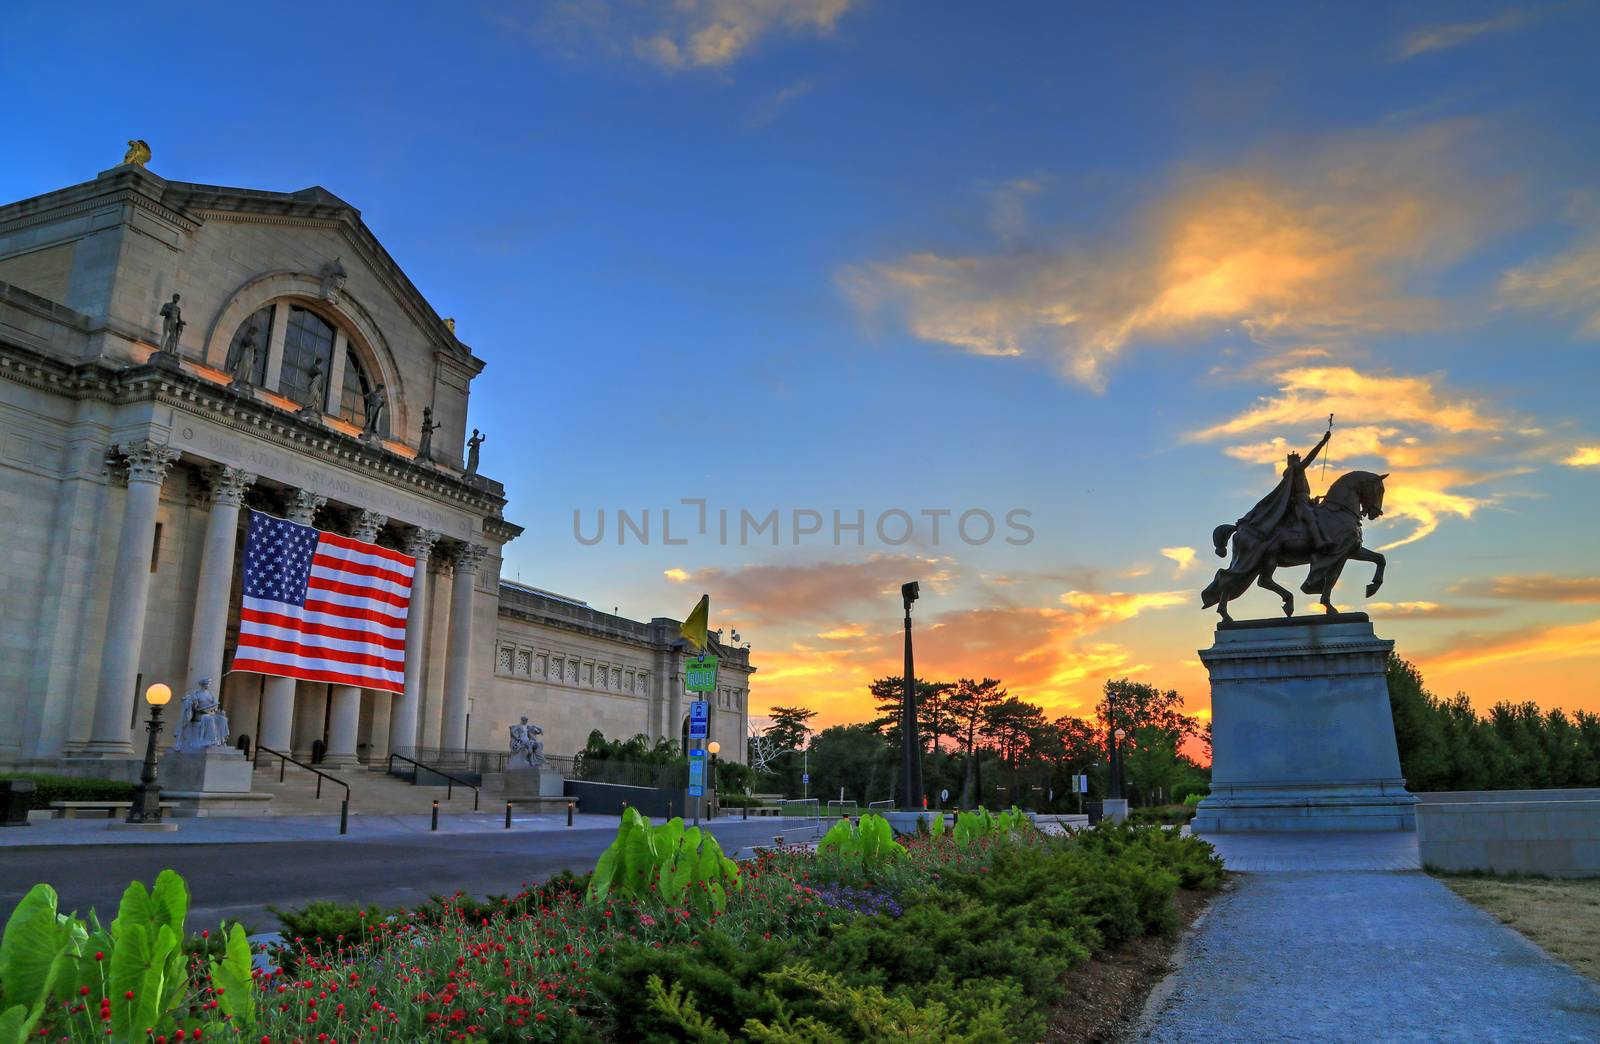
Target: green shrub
(1193, 799)
(1170, 815)
(70, 788)
(328, 924)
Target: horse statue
(1285, 531)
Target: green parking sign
(701, 674)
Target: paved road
(240, 880)
(1360, 954)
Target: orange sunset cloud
(1329, 240)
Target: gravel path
(1363, 955)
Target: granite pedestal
(210, 782)
(533, 781)
(1302, 736)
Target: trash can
(1096, 810)
(15, 797)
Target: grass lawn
(1561, 915)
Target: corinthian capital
(228, 485)
(420, 545)
(368, 524)
(146, 461)
(303, 508)
(467, 556)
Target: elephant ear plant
(870, 842)
(684, 864)
(137, 970)
(980, 822)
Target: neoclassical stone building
(125, 471)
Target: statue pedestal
(1302, 737)
(210, 782)
(531, 781)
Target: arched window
(353, 397)
(308, 341)
(262, 322)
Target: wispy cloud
(1432, 610)
(1184, 556)
(1583, 457)
(685, 34)
(776, 593)
(1567, 284)
(1536, 587)
(1454, 34)
(1541, 642)
(1315, 244)
(1434, 442)
(773, 105)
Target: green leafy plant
(867, 843)
(683, 864)
(980, 822)
(139, 965)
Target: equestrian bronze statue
(1291, 528)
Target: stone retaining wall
(1540, 836)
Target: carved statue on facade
(203, 723)
(425, 440)
(1288, 527)
(172, 325)
(243, 367)
(316, 381)
(377, 400)
(333, 280)
(138, 153)
(472, 450)
(526, 747)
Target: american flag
(322, 607)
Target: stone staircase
(372, 792)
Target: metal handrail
(450, 781)
(285, 760)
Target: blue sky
(862, 254)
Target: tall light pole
(1113, 752)
(910, 739)
(147, 795)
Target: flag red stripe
(292, 623)
(322, 583)
(352, 613)
(345, 565)
(336, 678)
(366, 549)
(320, 652)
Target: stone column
(277, 714)
(148, 465)
(403, 715)
(458, 655)
(344, 721)
(277, 700)
(213, 592)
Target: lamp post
(910, 740)
(713, 749)
(147, 795)
(1115, 787)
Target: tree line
(1446, 745)
(982, 745)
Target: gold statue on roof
(138, 153)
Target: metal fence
(472, 761)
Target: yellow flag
(694, 626)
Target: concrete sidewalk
(258, 829)
(1327, 938)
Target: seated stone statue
(526, 747)
(203, 723)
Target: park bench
(109, 809)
